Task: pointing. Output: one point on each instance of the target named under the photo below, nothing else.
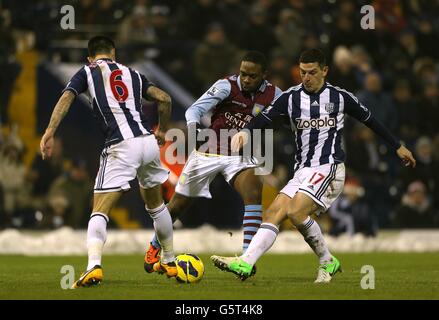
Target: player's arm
(59, 112)
(355, 109)
(278, 108)
(219, 91)
(76, 85)
(164, 110)
(164, 106)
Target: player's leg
(177, 206)
(96, 237)
(112, 179)
(261, 242)
(249, 186)
(158, 211)
(320, 186)
(194, 181)
(299, 212)
(151, 175)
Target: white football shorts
(201, 168)
(122, 162)
(323, 184)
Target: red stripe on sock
(257, 225)
(253, 218)
(249, 233)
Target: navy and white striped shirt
(115, 93)
(318, 119)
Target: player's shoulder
(125, 67)
(271, 86)
(344, 92)
(293, 90)
(223, 84)
(231, 78)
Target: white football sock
(261, 242)
(96, 237)
(313, 236)
(164, 231)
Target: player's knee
(252, 196)
(174, 209)
(178, 205)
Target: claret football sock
(313, 236)
(261, 242)
(164, 231)
(251, 222)
(96, 237)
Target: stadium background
(184, 46)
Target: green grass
(397, 276)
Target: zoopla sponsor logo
(325, 122)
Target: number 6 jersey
(115, 93)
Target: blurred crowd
(49, 194)
(393, 69)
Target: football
(190, 268)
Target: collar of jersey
(105, 59)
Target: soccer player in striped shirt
(316, 110)
(130, 150)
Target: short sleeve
(145, 84)
(78, 83)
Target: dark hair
(257, 58)
(313, 55)
(100, 44)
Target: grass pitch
(280, 277)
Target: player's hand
(406, 156)
(46, 145)
(160, 136)
(239, 140)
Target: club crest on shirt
(329, 107)
(257, 108)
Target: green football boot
(233, 264)
(327, 270)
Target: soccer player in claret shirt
(130, 150)
(234, 101)
(316, 110)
